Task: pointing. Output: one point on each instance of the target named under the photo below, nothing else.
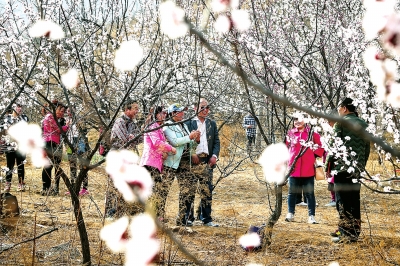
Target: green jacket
(357, 148)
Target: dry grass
(240, 201)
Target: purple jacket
(305, 164)
(155, 144)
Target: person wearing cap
(345, 167)
(155, 144)
(304, 146)
(178, 164)
(13, 156)
(207, 152)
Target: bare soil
(240, 200)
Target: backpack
(8, 205)
(260, 231)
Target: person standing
(249, 123)
(124, 130)
(207, 152)
(155, 145)
(345, 167)
(77, 137)
(304, 145)
(178, 164)
(13, 155)
(52, 138)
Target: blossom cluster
(381, 19)
(237, 18)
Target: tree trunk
(273, 218)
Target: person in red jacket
(304, 146)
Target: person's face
(69, 113)
(131, 113)
(341, 110)
(299, 124)
(178, 116)
(18, 109)
(161, 117)
(60, 112)
(203, 109)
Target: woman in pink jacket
(52, 137)
(303, 150)
(155, 145)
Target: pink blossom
(222, 5)
(273, 161)
(142, 226)
(129, 178)
(172, 20)
(46, 28)
(141, 252)
(116, 235)
(376, 16)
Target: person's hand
(195, 159)
(212, 161)
(249, 126)
(173, 150)
(194, 134)
(165, 155)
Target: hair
(156, 111)
(348, 103)
(196, 104)
(58, 105)
(128, 104)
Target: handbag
(319, 172)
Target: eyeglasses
(205, 108)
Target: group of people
(187, 150)
(305, 146)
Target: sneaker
(331, 204)
(21, 187)
(187, 224)
(311, 219)
(54, 192)
(344, 239)
(83, 192)
(289, 217)
(7, 187)
(301, 204)
(211, 224)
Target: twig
(25, 241)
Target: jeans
(296, 186)
(12, 158)
(54, 154)
(348, 204)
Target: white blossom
(129, 178)
(70, 79)
(172, 20)
(250, 240)
(46, 28)
(128, 56)
(241, 20)
(222, 24)
(115, 234)
(273, 161)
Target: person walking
(345, 167)
(207, 152)
(13, 155)
(155, 145)
(52, 138)
(304, 145)
(249, 123)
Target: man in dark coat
(207, 152)
(346, 165)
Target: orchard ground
(240, 200)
